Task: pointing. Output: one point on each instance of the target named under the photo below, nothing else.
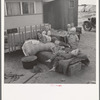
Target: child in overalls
(61, 53)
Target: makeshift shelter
(59, 13)
(32, 12)
(20, 13)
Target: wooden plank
(31, 32)
(8, 42)
(23, 37)
(25, 32)
(36, 31)
(29, 78)
(11, 42)
(14, 42)
(20, 38)
(22, 32)
(28, 32)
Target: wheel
(87, 26)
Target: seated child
(73, 39)
(48, 37)
(74, 28)
(61, 52)
(43, 37)
(40, 37)
(59, 46)
(62, 55)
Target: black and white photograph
(50, 42)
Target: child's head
(47, 27)
(68, 26)
(49, 33)
(44, 33)
(39, 35)
(73, 30)
(57, 42)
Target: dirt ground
(87, 45)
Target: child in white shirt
(73, 39)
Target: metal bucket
(29, 62)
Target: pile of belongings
(67, 64)
(44, 51)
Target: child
(62, 55)
(45, 35)
(59, 46)
(73, 38)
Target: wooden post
(14, 44)
(31, 32)
(8, 42)
(19, 38)
(25, 33)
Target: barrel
(29, 62)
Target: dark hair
(37, 34)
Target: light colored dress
(73, 41)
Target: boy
(43, 37)
(61, 53)
(73, 38)
(59, 45)
(67, 54)
(48, 38)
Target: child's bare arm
(49, 60)
(53, 57)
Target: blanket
(31, 47)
